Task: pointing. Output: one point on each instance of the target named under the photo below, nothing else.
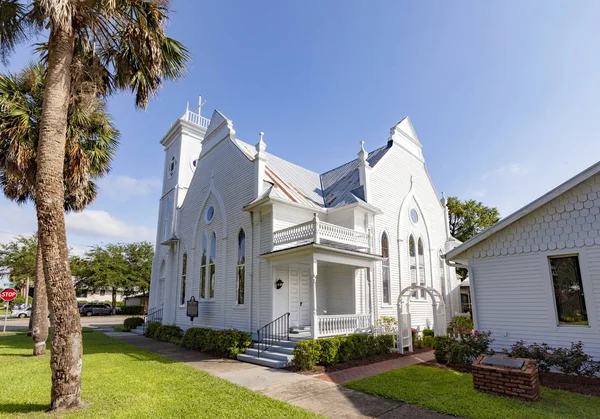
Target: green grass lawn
(121, 381)
(451, 392)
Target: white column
(316, 238)
(315, 319)
(370, 282)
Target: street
(94, 321)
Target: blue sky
(505, 96)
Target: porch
(323, 290)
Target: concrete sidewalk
(317, 395)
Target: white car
(21, 312)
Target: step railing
(278, 329)
(342, 324)
(153, 315)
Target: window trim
(212, 263)
(589, 314)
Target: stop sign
(8, 294)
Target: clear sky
(504, 95)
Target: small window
(414, 216)
(183, 279)
(203, 269)
(210, 214)
(568, 291)
(385, 269)
(212, 266)
(412, 253)
(421, 267)
(172, 166)
(241, 268)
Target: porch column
(315, 320)
(370, 284)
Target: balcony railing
(342, 324)
(196, 118)
(315, 231)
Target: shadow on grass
(23, 408)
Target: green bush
(330, 351)
(132, 310)
(224, 343)
(151, 329)
(429, 341)
(428, 332)
(132, 323)
(168, 333)
(120, 328)
(460, 324)
(307, 354)
(442, 348)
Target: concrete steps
(138, 330)
(280, 355)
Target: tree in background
(92, 140)
(19, 256)
(469, 218)
(114, 266)
(126, 49)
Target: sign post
(7, 295)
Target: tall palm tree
(128, 50)
(91, 143)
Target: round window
(414, 216)
(210, 213)
(194, 163)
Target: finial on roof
(362, 154)
(261, 146)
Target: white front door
(299, 296)
(280, 296)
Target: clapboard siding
(513, 286)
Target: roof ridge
(350, 161)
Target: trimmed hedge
(223, 343)
(329, 351)
(151, 329)
(132, 323)
(168, 333)
(132, 310)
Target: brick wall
(523, 384)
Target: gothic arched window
(241, 268)
(211, 265)
(183, 279)
(385, 269)
(421, 267)
(203, 268)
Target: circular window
(210, 213)
(414, 216)
(194, 163)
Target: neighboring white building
(252, 236)
(5, 278)
(535, 275)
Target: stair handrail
(153, 315)
(272, 332)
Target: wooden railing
(196, 118)
(315, 230)
(341, 324)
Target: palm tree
(91, 143)
(126, 49)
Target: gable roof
(332, 189)
(527, 209)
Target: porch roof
(326, 253)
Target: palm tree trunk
(66, 345)
(39, 313)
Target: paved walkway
(321, 396)
(356, 373)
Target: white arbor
(404, 321)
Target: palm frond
(12, 26)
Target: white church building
(255, 238)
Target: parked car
(95, 310)
(21, 312)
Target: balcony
(195, 118)
(319, 232)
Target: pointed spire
(362, 154)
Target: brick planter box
(514, 377)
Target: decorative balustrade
(314, 231)
(331, 325)
(196, 118)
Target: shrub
(223, 343)
(132, 323)
(571, 360)
(460, 324)
(120, 328)
(132, 310)
(151, 329)
(442, 348)
(329, 351)
(307, 354)
(463, 350)
(428, 332)
(429, 341)
(388, 324)
(168, 333)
